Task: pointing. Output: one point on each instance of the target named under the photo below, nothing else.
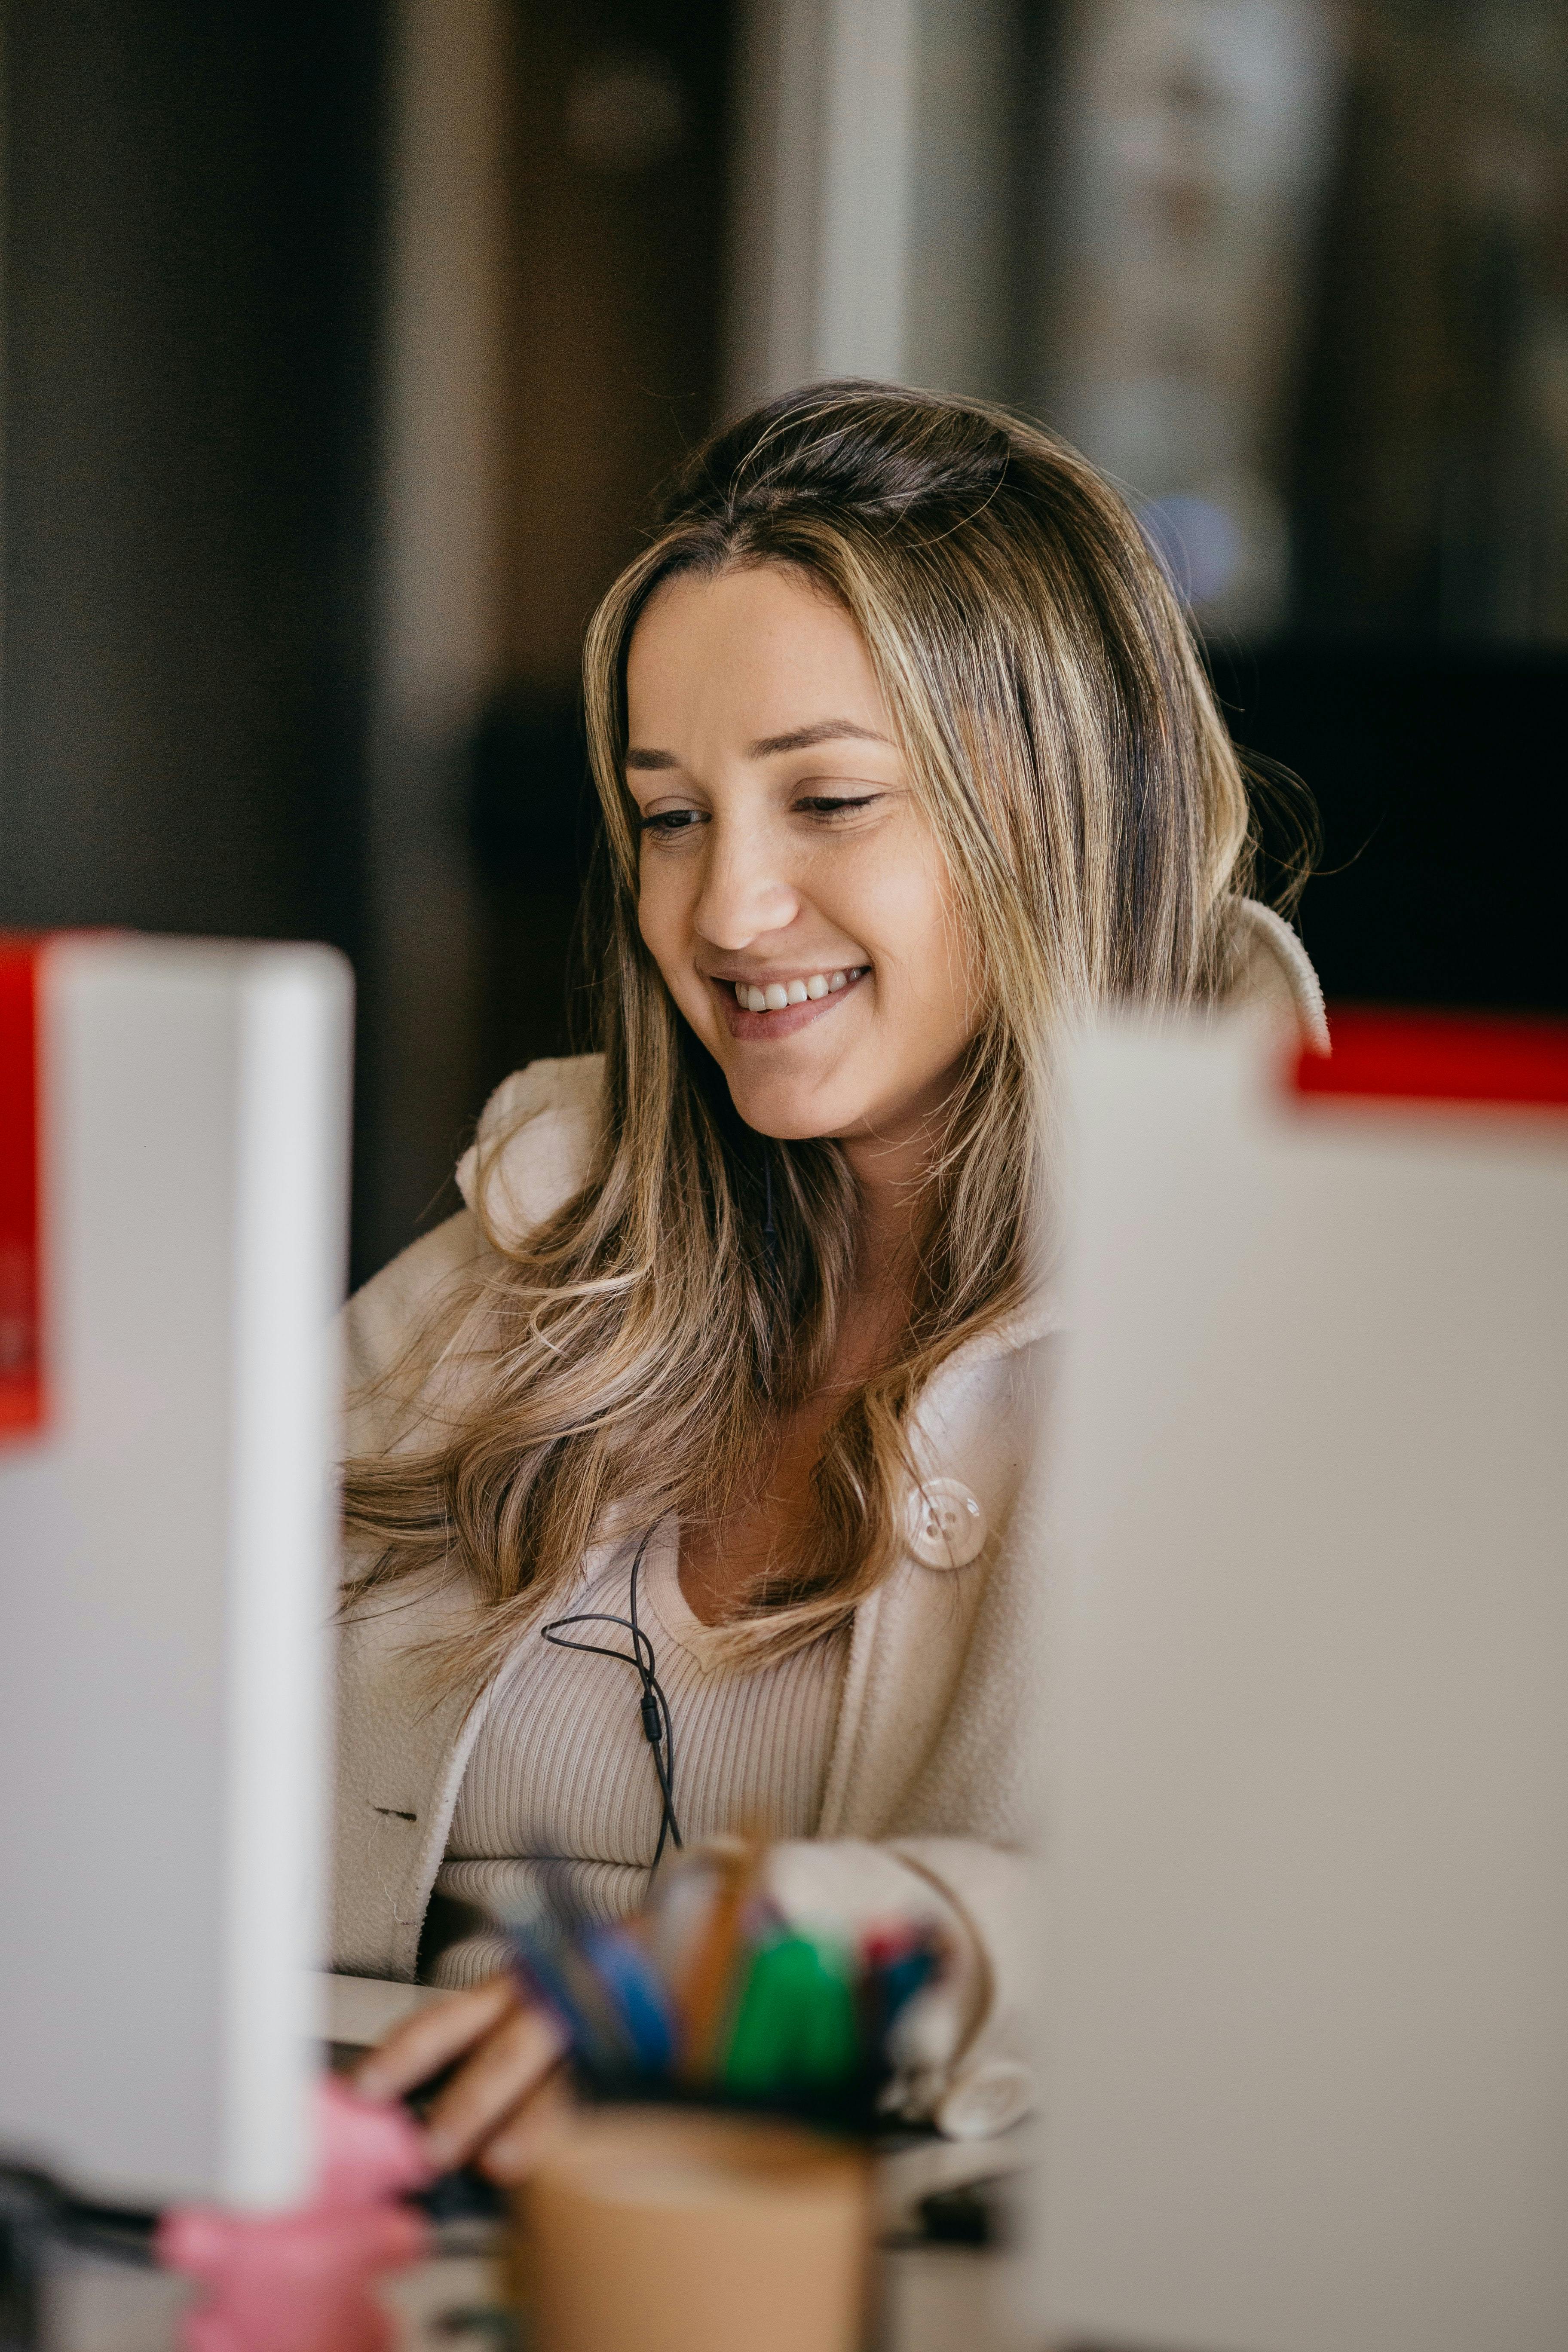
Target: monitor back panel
(166, 1537)
(1307, 1729)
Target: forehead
(750, 652)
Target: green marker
(796, 2025)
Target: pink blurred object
(301, 2282)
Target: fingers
(433, 2037)
(512, 2152)
(508, 2100)
(509, 2064)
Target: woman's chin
(788, 1114)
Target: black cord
(658, 1727)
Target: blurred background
(342, 345)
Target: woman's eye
(666, 821)
(836, 803)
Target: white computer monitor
(1307, 1708)
(166, 1539)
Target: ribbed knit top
(559, 1810)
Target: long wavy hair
(633, 1355)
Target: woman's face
(792, 892)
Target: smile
(779, 1008)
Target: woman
(906, 758)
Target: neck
(889, 1168)
(888, 1177)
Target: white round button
(946, 1524)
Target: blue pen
(641, 2001)
(550, 1976)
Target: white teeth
(780, 993)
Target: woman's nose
(744, 894)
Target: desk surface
(930, 2299)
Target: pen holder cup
(677, 2231)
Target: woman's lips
(755, 1028)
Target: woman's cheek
(655, 923)
(666, 941)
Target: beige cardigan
(930, 1773)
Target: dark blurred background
(342, 345)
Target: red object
(1439, 1057)
(21, 1302)
(302, 2281)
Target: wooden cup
(669, 2230)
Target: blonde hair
(632, 1355)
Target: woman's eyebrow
(766, 747)
(802, 739)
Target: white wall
(871, 177)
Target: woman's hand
(507, 2098)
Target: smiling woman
(779, 859)
(906, 758)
